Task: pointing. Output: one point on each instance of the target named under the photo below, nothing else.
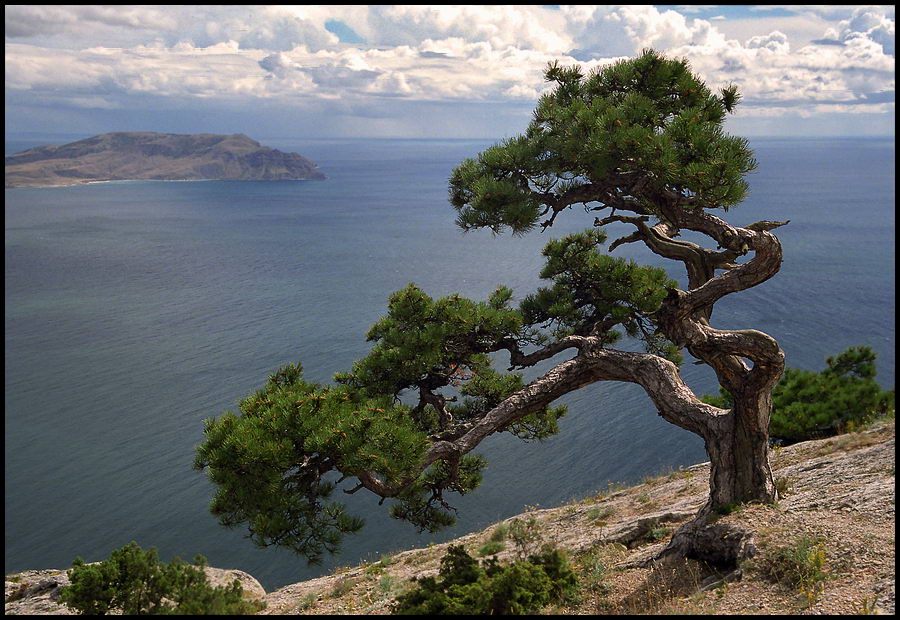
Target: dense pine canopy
(627, 136)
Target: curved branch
(683, 317)
(517, 359)
(562, 379)
(700, 263)
(757, 346)
(675, 401)
(615, 191)
(764, 265)
(659, 378)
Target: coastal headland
(144, 156)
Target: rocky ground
(837, 499)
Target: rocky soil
(837, 495)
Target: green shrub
(783, 486)
(465, 586)
(595, 573)
(563, 580)
(599, 515)
(525, 535)
(500, 533)
(491, 547)
(657, 533)
(808, 405)
(801, 564)
(135, 582)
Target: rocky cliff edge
(839, 491)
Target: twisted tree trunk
(736, 439)
(738, 454)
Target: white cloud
(776, 42)
(32, 20)
(525, 27)
(869, 23)
(825, 11)
(115, 57)
(252, 27)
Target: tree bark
(738, 453)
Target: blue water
(135, 310)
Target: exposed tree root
(722, 545)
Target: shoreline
(100, 182)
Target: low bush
(491, 547)
(595, 573)
(801, 564)
(136, 583)
(525, 535)
(465, 586)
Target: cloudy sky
(425, 71)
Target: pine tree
(641, 139)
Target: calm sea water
(135, 310)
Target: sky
(425, 71)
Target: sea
(136, 310)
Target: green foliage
(428, 344)
(499, 533)
(135, 582)
(807, 404)
(270, 463)
(525, 535)
(647, 115)
(596, 292)
(595, 573)
(491, 547)
(275, 464)
(842, 397)
(488, 388)
(421, 502)
(437, 341)
(465, 586)
(727, 509)
(657, 533)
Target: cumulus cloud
(525, 27)
(872, 24)
(265, 28)
(776, 42)
(32, 20)
(102, 56)
(252, 27)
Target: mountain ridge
(120, 156)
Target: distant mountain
(156, 156)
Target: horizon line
(35, 134)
